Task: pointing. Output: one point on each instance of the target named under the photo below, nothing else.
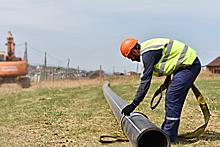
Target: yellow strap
(159, 91)
(202, 105)
(205, 111)
(114, 138)
(189, 135)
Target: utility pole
(100, 73)
(113, 70)
(125, 72)
(45, 65)
(77, 72)
(26, 59)
(53, 74)
(137, 69)
(67, 68)
(26, 52)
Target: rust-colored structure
(214, 66)
(12, 67)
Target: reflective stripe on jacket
(174, 55)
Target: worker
(163, 57)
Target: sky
(89, 32)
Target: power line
(56, 58)
(62, 62)
(47, 54)
(109, 69)
(20, 44)
(35, 49)
(52, 57)
(16, 45)
(126, 66)
(39, 52)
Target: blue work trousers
(176, 93)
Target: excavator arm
(10, 45)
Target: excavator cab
(2, 56)
(13, 69)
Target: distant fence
(54, 74)
(216, 71)
(51, 74)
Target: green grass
(77, 116)
(192, 116)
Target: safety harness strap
(202, 105)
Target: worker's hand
(167, 80)
(128, 109)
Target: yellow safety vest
(174, 55)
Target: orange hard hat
(127, 45)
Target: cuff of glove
(134, 103)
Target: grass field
(75, 113)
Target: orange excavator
(12, 68)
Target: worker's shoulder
(154, 39)
(149, 55)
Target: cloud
(7, 9)
(95, 28)
(76, 12)
(213, 52)
(173, 7)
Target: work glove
(167, 80)
(128, 109)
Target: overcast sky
(89, 32)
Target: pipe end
(153, 138)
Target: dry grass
(65, 83)
(192, 117)
(75, 113)
(205, 74)
(51, 84)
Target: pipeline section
(139, 130)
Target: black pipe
(140, 131)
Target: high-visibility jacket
(174, 55)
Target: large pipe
(140, 131)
